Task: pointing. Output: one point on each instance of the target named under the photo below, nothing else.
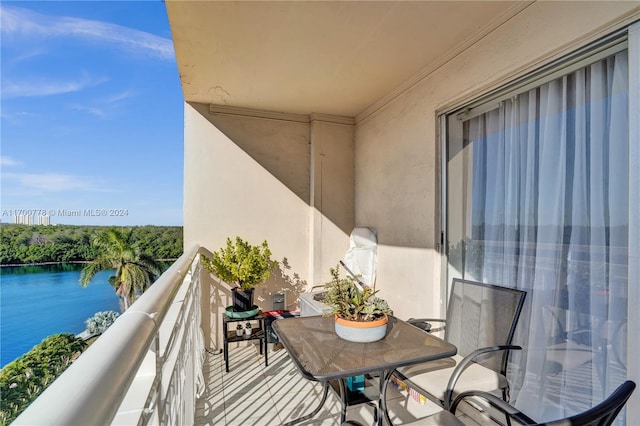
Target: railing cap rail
(93, 387)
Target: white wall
(228, 193)
(259, 178)
(397, 163)
(280, 146)
(332, 195)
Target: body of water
(38, 301)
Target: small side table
(230, 336)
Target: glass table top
(321, 355)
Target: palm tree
(134, 271)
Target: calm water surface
(38, 301)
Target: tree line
(29, 244)
(131, 252)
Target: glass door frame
(627, 38)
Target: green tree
(20, 244)
(22, 380)
(134, 270)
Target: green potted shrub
(243, 265)
(360, 316)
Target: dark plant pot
(242, 300)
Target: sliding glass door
(538, 199)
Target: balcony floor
(252, 394)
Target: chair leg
(505, 398)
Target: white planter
(361, 331)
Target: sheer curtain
(547, 211)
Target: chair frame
(472, 357)
(602, 414)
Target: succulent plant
(349, 301)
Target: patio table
(320, 355)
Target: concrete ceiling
(338, 58)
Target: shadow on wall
(281, 281)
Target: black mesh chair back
(602, 414)
(482, 315)
(481, 321)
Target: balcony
(298, 129)
(252, 394)
(157, 365)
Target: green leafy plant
(241, 263)
(350, 302)
(22, 380)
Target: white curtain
(549, 214)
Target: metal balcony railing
(146, 368)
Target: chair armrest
(412, 320)
(425, 323)
(466, 363)
(495, 402)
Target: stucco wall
(228, 193)
(397, 147)
(332, 192)
(281, 147)
(257, 178)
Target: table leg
(325, 391)
(343, 398)
(383, 398)
(345, 404)
(225, 344)
(266, 343)
(226, 355)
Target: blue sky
(92, 112)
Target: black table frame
(321, 356)
(229, 336)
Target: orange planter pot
(361, 331)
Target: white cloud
(105, 106)
(19, 118)
(53, 182)
(120, 96)
(25, 56)
(8, 161)
(41, 87)
(91, 110)
(16, 20)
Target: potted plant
(360, 316)
(244, 265)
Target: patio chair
(602, 414)
(578, 336)
(481, 320)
